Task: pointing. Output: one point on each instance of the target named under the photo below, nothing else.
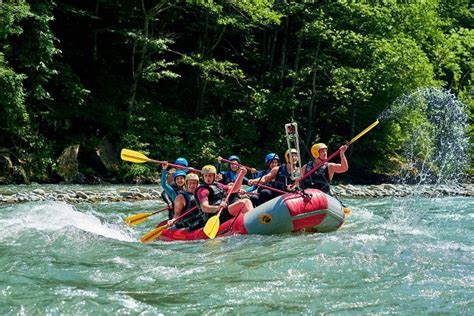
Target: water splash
(433, 125)
(59, 216)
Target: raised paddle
(365, 131)
(136, 157)
(213, 223)
(140, 218)
(158, 230)
(240, 165)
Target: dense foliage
(206, 78)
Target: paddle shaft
(185, 213)
(270, 188)
(225, 201)
(240, 165)
(160, 210)
(339, 150)
(175, 166)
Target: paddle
(140, 218)
(213, 223)
(270, 188)
(136, 157)
(158, 230)
(365, 131)
(238, 164)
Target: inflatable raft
(314, 211)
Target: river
(412, 255)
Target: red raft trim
(172, 234)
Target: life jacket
(262, 173)
(190, 219)
(230, 176)
(283, 178)
(318, 179)
(216, 196)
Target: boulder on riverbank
(68, 164)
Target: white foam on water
(59, 216)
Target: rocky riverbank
(135, 193)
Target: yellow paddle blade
(153, 234)
(365, 131)
(212, 226)
(137, 219)
(133, 156)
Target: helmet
(270, 157)
(181, 161)
(209, 169)
(316, 147)
(287, 154)
(192, 176)
(179, 173)
(234, 157)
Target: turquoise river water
(392, 256)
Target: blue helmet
(234, 157)
(179, 173)
(181, 161)
(270, 157)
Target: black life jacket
(216, 196)
(318, 179)
(283, 178)
(268, 184)
(190, 202)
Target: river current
(410, 255)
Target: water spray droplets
(434, 125)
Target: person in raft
(281, 174)
(271, 161)
(185, 201)
(230, 175)
(321, 178)
(210, 198)
(170, 189)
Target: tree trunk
(94, 48)
(283, 54)
(138, 69)
(297, 62)
(312, 106)
(139, 53)
(272, 51)
(202, 91)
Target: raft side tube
(271, 217)
(335, 216)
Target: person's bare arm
(339, 167)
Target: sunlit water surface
(410, 256)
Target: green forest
(202, 79)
